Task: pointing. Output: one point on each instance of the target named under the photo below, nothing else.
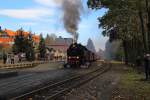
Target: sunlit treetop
(94, 4)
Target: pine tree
(42, 47)
(19, 42)
(24, 44)
(90, 46)
(30, 53)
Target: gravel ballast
(98, 89)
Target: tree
(30, 53)
(90, 46)
(148, 23)
(42, 47)
(19, 42)
(128, 19)
(111, 50)
(24, 44)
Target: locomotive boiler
(78, 56)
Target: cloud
(26, 13)
(29, 23)
(83, 26)
(57, 32)
(49, 3)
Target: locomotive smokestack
(74, 40)
(75, 37)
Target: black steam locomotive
(78, 55)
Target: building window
(4, 35)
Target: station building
(60, 46)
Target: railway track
(53, 91)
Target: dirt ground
(98, 89)
(132, 86)
(116, 84)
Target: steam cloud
(71, 18)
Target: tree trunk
(125, 51)
(148, 23)
(143, 31)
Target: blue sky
(45, 16)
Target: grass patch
(134, 85)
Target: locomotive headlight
(77, 57)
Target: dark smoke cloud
(71, 17)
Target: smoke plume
(111, 49)
(71, 16)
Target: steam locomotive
(78, 56)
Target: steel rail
(31, 94)
(60, 93)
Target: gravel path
(98, 89)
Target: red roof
(11, 34)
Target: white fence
(23, 64)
